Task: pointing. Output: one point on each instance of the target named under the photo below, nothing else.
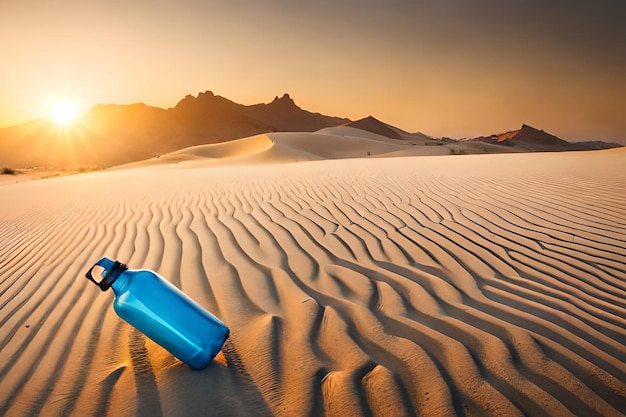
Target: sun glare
(64, 112)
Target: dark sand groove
(355, 291)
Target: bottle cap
(111, 270)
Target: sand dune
(330, 143)
(457, 285)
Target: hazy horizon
(445, 68)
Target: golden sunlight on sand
(435, 286)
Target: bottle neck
(121, 282)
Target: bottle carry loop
(112, 269)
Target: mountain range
(111, 134)
(531, 139)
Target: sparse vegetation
(81, 169)
(88, 168)
(8, 171)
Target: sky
(455, 68)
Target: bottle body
(169, 317)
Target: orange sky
(443, 67)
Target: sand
(435, 286)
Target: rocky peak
(528, 128)
(373, 125)
(189, 98)
(284, 102)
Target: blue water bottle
(162, 312)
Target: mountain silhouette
(373, 125)
(114, 134)
(111, 134)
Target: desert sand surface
(470, 285)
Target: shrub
(8, 171)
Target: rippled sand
(433, 286)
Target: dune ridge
(342, 142)
(407, 286)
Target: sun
(64, 112)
